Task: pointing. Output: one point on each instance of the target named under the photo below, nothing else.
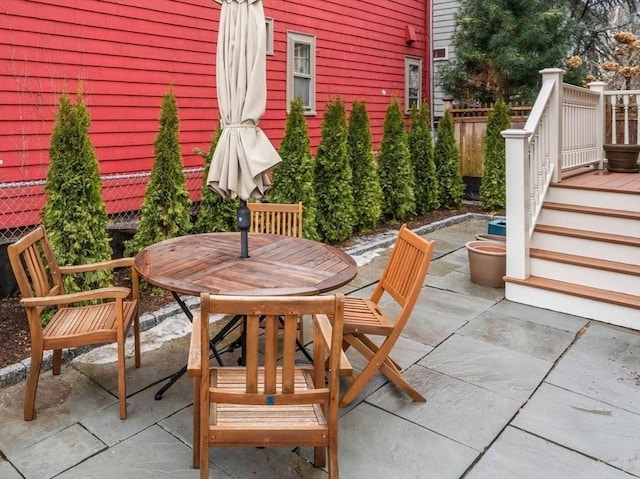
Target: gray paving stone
(590, 427)
(519, 455)
(180, 425)
(7, 471)
(61, 401)
(604, 364)
(249, 462)
(149, 454)
(438, 314)
(452, 407)
(57, 453)
(565, 322)
(496, 368)
(142, 412)
(460, 282)
(374, 444)
(525, 337)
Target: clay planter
(487, 262)
(622, 158)
(490, 237)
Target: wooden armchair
(402, 279)
(39, 278)
(276, 218)
(274, 402)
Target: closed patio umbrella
(243, 153)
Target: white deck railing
(565, 130)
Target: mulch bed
(15, 343)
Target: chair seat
(365, 317)
(239, 422)
(81, 326)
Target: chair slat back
(270, 374)
(276, 218)
(34, 266)
(405, 271)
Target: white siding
(444, 25)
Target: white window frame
(293, 39)
(441, 58)
(270, 30)
(409, 63)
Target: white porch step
(595, 273)
(602, 220)
(618, 200)
(618, 248)
(592, 303)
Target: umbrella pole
(244, 222)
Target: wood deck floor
(601, 180)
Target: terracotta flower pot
(487, 262)
(622, 158)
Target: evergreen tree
(292, 179)
(447, 159)
(424, 168)
(74, 215)
(165, 210)
(215, 213)
(493, 186)
(394, 168)
(501, 45)
(333, 176)
(367, 194)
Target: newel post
(599, 127)
(518, 198)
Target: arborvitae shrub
(424, 167)
(367, 194)
(447, 159)
(394, 168)
(74, 215)
(215, 214)
(166, 206)
(333, 176)
(493, 186)
(292, 179)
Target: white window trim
(408, 62)
(270, 29)
(443, 58)
(292, 39)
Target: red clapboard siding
(126, 55)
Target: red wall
(127, 56)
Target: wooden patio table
(277, 265)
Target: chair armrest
(111, 264)
(115, 292)
(194, 363)
(323, 324)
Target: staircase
(585, 255)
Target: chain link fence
(123, 193)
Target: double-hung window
(412, 83)
(301, 70)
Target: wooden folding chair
(402, 279)
(40, 281)
(272, 401)
(276, 218)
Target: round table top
(277, 265)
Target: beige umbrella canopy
(243, 153)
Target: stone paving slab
(565, 322)
(460, 282)
(604, 364)
(377, 445)
(591, 427)
(512, 374)
(525, 337)
(519, 455)
(57, 453)
(452, 408)
(151, 453)
(7, 471)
